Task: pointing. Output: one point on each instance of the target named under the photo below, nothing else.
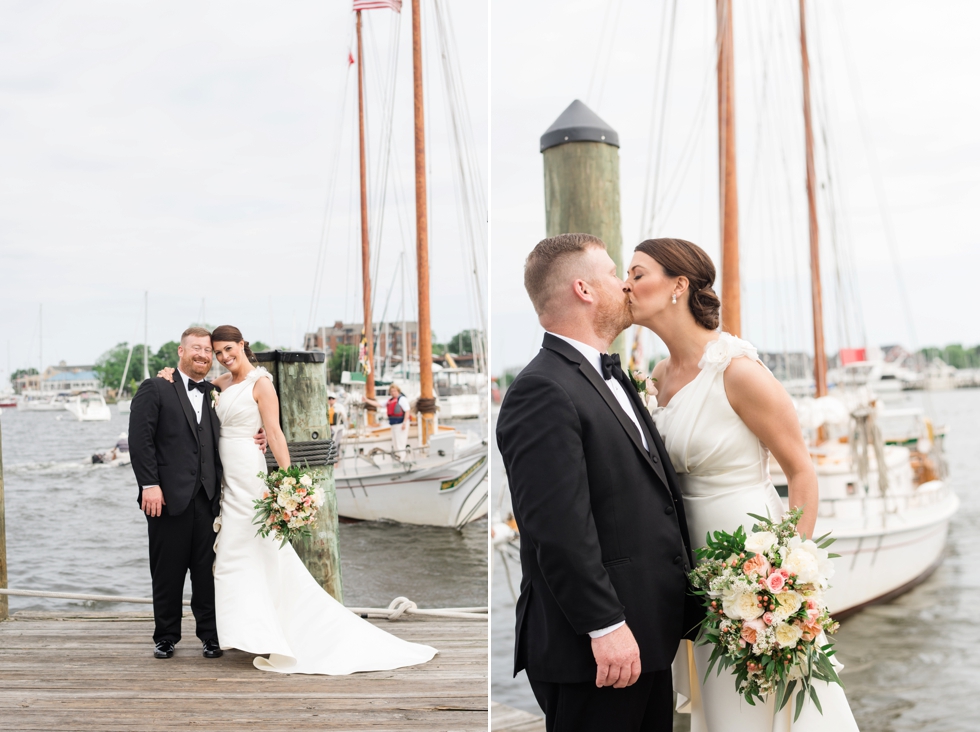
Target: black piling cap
(578, 123)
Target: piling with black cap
(581, 181)
(301, 383)
(581, 177)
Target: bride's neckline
(700, 371)
(238, 383)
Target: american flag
(395, 5)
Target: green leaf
(816, 701)
(800, 697)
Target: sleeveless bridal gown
(724, 474)
(266, 600)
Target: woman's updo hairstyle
(229, 333)
(679, 257)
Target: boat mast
(146, 330)
(365, 246)
(731, 299)
(819, 354)
(40, 344)
(427, 402)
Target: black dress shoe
(164, 649)
(212, 649)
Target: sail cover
(395, 5)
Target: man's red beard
(612, 316)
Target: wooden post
(731, 295)
(301, 383)
(816, 291)
(427, 401)
(581, 182)
(365, 245)
(4, 606)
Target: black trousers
(646, 706)
(177, 544)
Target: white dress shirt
(594, 357)
(196, 397)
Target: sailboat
(888, 505)
(441, 480)
(125, 404)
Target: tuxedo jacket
(601, 520)
(169, 448)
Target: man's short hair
(546, 265)
(195, 330)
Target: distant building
(388, 339)
(69, 378)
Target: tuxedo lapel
(185, 404)
(652, 435)
(574, 355)
(215, 422)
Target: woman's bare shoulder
(660, 368)
(223, 381)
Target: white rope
(397, 608)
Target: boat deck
(96, 672)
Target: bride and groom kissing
(611, 499)
(195, 455)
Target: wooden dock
(508, 719)
(97, 672)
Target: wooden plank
(508, 719)
(97, 672)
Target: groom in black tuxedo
(604, 544)
(173, 441)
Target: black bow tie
(611, 367)
(199, 385)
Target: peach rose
(768, 618)
(749, 635)
(756, 566)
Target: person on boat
(337, 416)
(399, 418)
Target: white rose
(748, 606)
(317, 498)
(760, 542)
(808, 562)
(281, 499)
(789, 603)
(306, 480)
(289, 480)
(730, 603)
(290, 504)
(788, 635)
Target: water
(76, 527)
(911, 665)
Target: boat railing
(878, 505)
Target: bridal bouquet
(763, 593)
(289, 505)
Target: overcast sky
(910, 66)
(188, 149)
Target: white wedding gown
(724, 474)
(266, 600)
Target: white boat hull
(428, 491)
(89, 411)
(878, 563)
(124, 405)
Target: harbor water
(911, 665)
(76, 527)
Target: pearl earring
(673, 299)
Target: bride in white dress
(266, 600)
(721, 413)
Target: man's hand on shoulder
(617, 657)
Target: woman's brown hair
(679, 257)
(229, 333)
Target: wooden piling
(4, 605)
(581, 182)
(301, 382)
